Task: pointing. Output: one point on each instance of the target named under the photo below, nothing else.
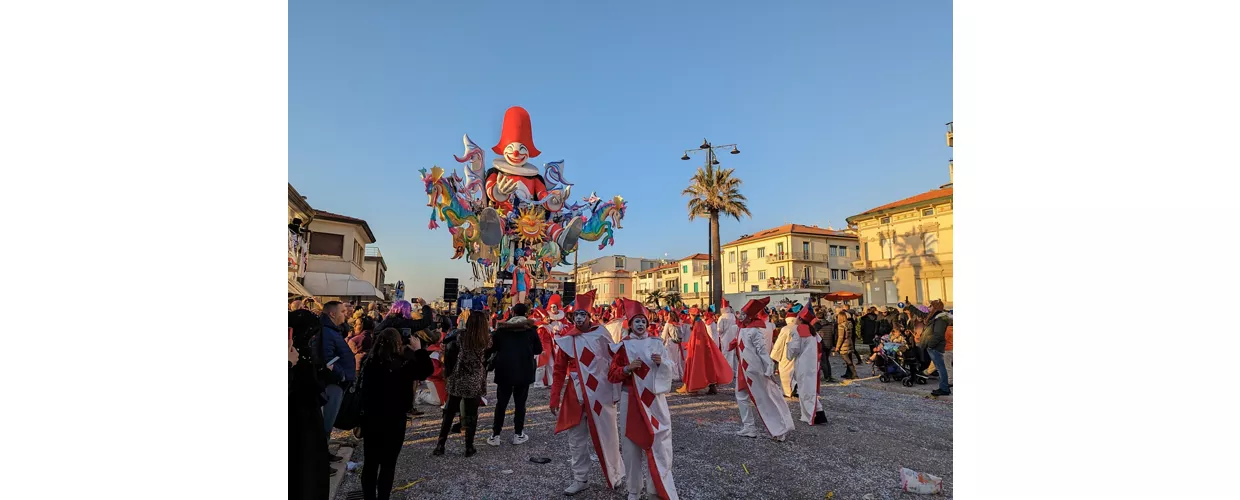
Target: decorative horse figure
(606, 216)
(447, 206)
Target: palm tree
(673, 299)
(654, 297)
(713, 192)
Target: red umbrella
(841, 296)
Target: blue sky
(837, 107)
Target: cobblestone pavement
(873, 430)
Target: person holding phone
(343, 370)
(389, 369)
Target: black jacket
(515, 343)
(869, 328)
(387, 386)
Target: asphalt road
(873, 430)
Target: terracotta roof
(320, 214)
(912, 200)
(790, 228)
(660, 268)
(697, 256)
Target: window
(620, 262)
(857, 251)
(695, 287)
(935, 288)
(805, 248)
(358, 252)
(753, 288)
(930, 242)
(779, 249)
(761, 252)
(781, 271)
(805, 274)
(606, 288)
(744, 255)
(684, 269)
(731, 277)
(731, 257)
(843, 275)
(884, 220)
(327, 244)
(761, 275)
(622, 289)
(927, 212)
(867, 250)
(686, 285)
(893, 295)
(843, 251)
(835, 274)
(745, 276)
(832, 250)
(885, 243)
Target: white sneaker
(748, 432)
(576, 487)
(493, 440)
(781, 438)
(520, 438)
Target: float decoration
(509, 218)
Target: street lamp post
(716, 274)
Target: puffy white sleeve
(795, 346)
(753, 340)
(664, 371)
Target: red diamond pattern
(642, 371)
(647, 397)
(654, 422)
(598, 407)
(741, 346)
(592, 382)
(749, 381)
(744, 365)
(587, 356)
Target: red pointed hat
(807, 315)
(632, 309)
(755, 306)
(790, 314)
(555, 301)
(693, 311)
(725, 304)
(517, 128)
(584, 301)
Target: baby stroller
(896, 365)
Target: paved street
(873, 430)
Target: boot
(471, 426)
(443, 437)
(712, 390)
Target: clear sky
(837, 107)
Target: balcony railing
(373, 252)
(701, 271)
(801, 256)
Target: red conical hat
(584, 301)
(807, 315)
(632, 309)
(555, 301)
(755, 306)
(517, 128)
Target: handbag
(350, 414)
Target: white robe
(779, 352)
(616, 328)
(755, 389)
(802, 352)
(671, 339)
(650, 392)
(587, 380)
(727, 333)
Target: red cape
(704, 364)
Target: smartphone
(333, 361)
(406, 333)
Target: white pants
(635, 468)
(540, 373)
(947, 360)
(579, 446)
(748, 412)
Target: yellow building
(907, 249)
(692, 275)
(791, 256)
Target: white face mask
(741, 316)
(581, 318)
(639, 325)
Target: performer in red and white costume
(802, 352)
(757, 394)
(779, 353)
(553, 324)
(705, 367)
(586, 407)
(727, 329)
(643, 370)
(435, 391)
(671, 341)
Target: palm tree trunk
(716, 262)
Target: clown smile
(516, 158)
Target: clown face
(581, 318)
(516, 153)
(741, 316)
(639, 324)
(553, 309)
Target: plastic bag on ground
(919, 482)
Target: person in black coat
(388, 370)
(308, 469)
(516, 346)
(869, 328)
(825, 326)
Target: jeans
(384, 439)
(518, 393)
(939, 366)
(335, 394)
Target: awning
(340, 285)
(295, 288)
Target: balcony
(703, 271)
(799, 256)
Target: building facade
(336, 267)
(613, 276)
(554, 282)
(906, 249)
(375, 269)
(300, 215)
(791, 256)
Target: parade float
(512, 223)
